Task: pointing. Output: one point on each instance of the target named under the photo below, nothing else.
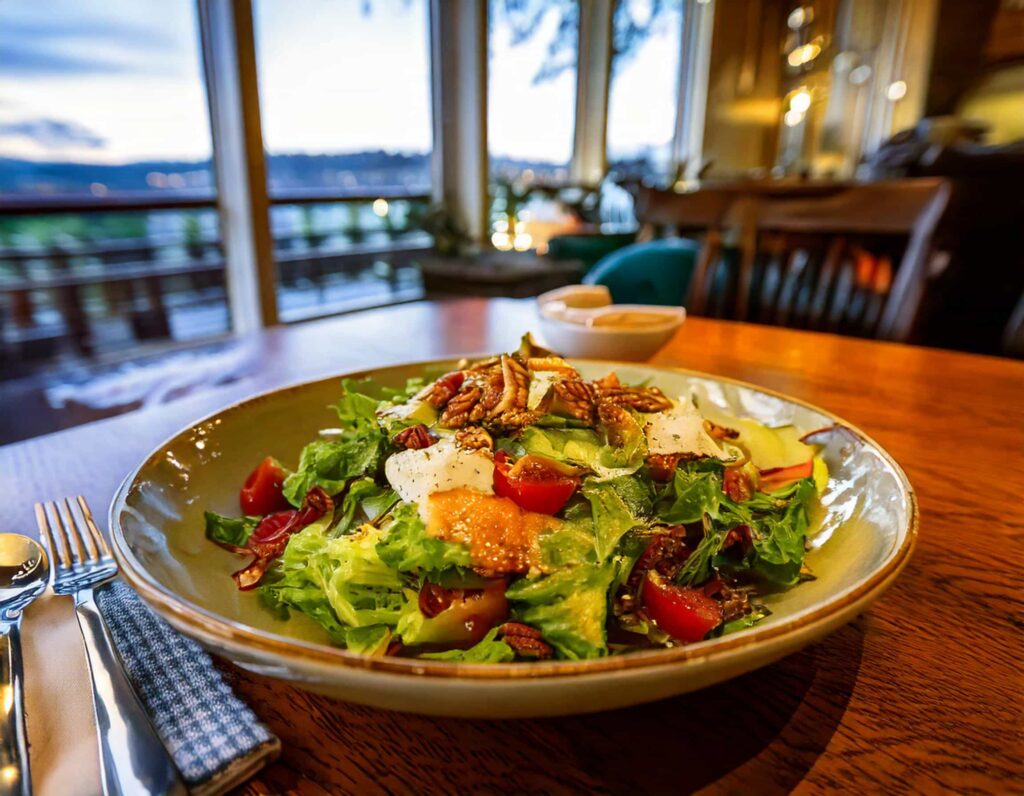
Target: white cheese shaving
(681, 430)
(417, 474)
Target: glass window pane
(531, 91)
(99, 99)
(345, 93)
(345, 100)
(105, 87)
(644, 90)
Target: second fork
(133, 759)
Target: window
(98, 99)
(644, 90)
(531, 110)
(345, 103)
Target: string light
(897, 90)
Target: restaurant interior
(202, 200)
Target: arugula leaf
(779, 540)
(569, 607)
(488, 650)
(406, 546)
(699, 566)
(330, 464)
(692, 493)
(229, 530)
(356, 408)
(366, 494)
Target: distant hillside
(374, 169)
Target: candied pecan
(456, 413)
(735, 602)
(576, 398)
(720, 432)
(492, 383)
(524, 640)
(642, 399)
(415, 437)
(662, 466)
(516, 418)
(515, 387)
(443, 390)
(552, 363)
(474, 438)
(618, 423)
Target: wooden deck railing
(136, 277)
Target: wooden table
(923, 693)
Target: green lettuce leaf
(229, 530)
(488, 650)
(357, 408)
(369, 640)
(617, 507)
(339, 582)
(572, 543)
(779, 540)
(406, 546)
(569, 607)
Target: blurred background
(174, 174)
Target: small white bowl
(572, 323)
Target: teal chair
(657, 272)
(588, 249)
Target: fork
(133, 759)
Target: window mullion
(589, 158)
(229, 61)
(458, 58)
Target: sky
(120, 80)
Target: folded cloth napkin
(215, 739)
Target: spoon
(24, 575)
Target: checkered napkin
(215, 739)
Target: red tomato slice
(686, 614)
(261, 494)
(534, 484)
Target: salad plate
(674, 530)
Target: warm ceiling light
(800, 101)
(804, 54)
(897, 90)
(380, 207)
(799, 17)
(860, 75)
(792, 118)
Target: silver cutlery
(24, 574)
(133, 759)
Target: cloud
(46, 48)
(53, 133)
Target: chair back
(854, 261)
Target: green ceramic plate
(861, 540)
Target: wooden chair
(854, 261)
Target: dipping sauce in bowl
(628, 319)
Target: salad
(512, 510)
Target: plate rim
(202, 623)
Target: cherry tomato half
(533, 483)
(685, 613)
(261, 494)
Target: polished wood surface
(921, 694)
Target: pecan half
(552, 363)
(515, 387)
(474, 438)
(524, 640)
(415, 437)
(619, 424)
(443, 390)
(720, 432)
(456, 413)
(574, 397)
(662, 466)
(642, 399)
